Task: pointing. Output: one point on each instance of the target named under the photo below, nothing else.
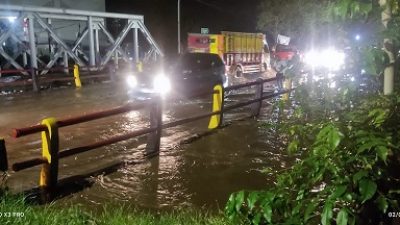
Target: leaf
(355, 8)
(365, 8)
(309, 210)
(330, 135)
(230, 207)
(300, 195)
(267, 212)
(367, 189)
(292, 147)
(339, 191)
(369, 62)
(252, 199)
(348, 197)
(382, 204)
(239, 199)
(342, 9)
(366, 146)
(378, 116)
(334, 138)
(269, 196)
(360, 174)
(327, 214)
(382, 153)
(256, 219)
(296, 210)
(342, 217)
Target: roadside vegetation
(343, 127)
(15, 211)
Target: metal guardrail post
(77, 77)
(35, 85)
(154, 138)
(3, 156)
(112, 70)
(256, 107)
(217, 105)
(50, 149)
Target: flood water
(200, 173)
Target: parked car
(188, 74)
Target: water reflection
(202, 173)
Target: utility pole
(388, 82)
(179, 26)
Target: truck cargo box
(241, 52)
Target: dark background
(161, 17)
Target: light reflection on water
(202, 173)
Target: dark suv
(188, 74)
(198, 71)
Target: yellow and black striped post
(287, 85)
(217, 105)
(77, 77)
(50, 148)
(139, 66)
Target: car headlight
(328, 58)
(131, 81)
(161, 84)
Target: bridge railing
(36, 80)
(49, 129)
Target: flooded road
(201, 173)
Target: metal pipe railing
(19, 132)
(241, 104)
(73, 151)
(248, 84)
(50, 126)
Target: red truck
(282, 54)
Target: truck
(241, 52)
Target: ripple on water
(203, 172)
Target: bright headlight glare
(329, 58)
(333, 59)
(312, 58)
(131, 81)
(11, 19)
(161, 84)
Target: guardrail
(35, 79)
(49, 129)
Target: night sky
(217, 15)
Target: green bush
(347, 145)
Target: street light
(179, 26)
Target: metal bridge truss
(40, 18)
